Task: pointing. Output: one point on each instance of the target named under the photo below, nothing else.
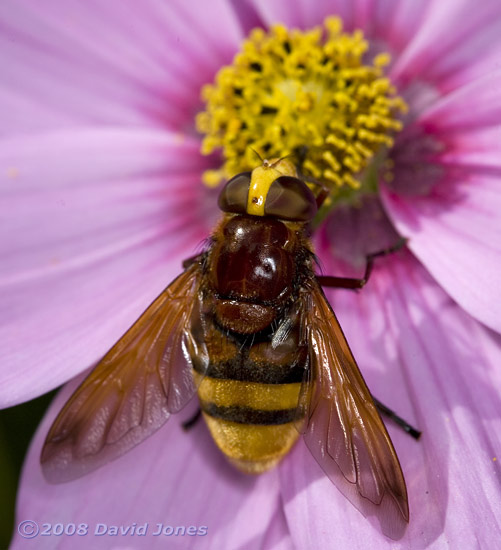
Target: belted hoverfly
(248, 327)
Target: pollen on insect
(310, 93)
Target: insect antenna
(281, 159)
(257, 155)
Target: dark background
(17, 426)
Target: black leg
(188, 424)
(191, 260)
(414, 432)
(355, 284)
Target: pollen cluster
(302, 93)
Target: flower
(101, 201)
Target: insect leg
(321, 192)
(414, 432)
(188, 424)
(191, 260)
(355, 284)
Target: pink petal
(350, 233)
(454, 45)
(454, 227)
(278, 536)
(473, 106)
(456, 233)
(303, 14)
(437, 367)
(473, 149)
(393, 22)
(67, 61)
(175, 478)
(90, 217)
(388, 22)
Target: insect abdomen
(249, 398)
(252, 423)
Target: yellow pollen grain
(307, 93)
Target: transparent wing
(341, 425)
(144, 378)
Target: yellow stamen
(304, 93)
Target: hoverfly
(248, 327)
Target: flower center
(306, 94)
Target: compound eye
(233, 196)
(290, 199)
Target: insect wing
(144, 378)
(341, 425)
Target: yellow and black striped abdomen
(249, 397)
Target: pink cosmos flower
(101, 201)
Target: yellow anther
(332, 177)
(336, 141)
(331, 160)
(365, 151)
(289, 91)
(351, 181)
(212, 178)
(312, 169)
(382, 59)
